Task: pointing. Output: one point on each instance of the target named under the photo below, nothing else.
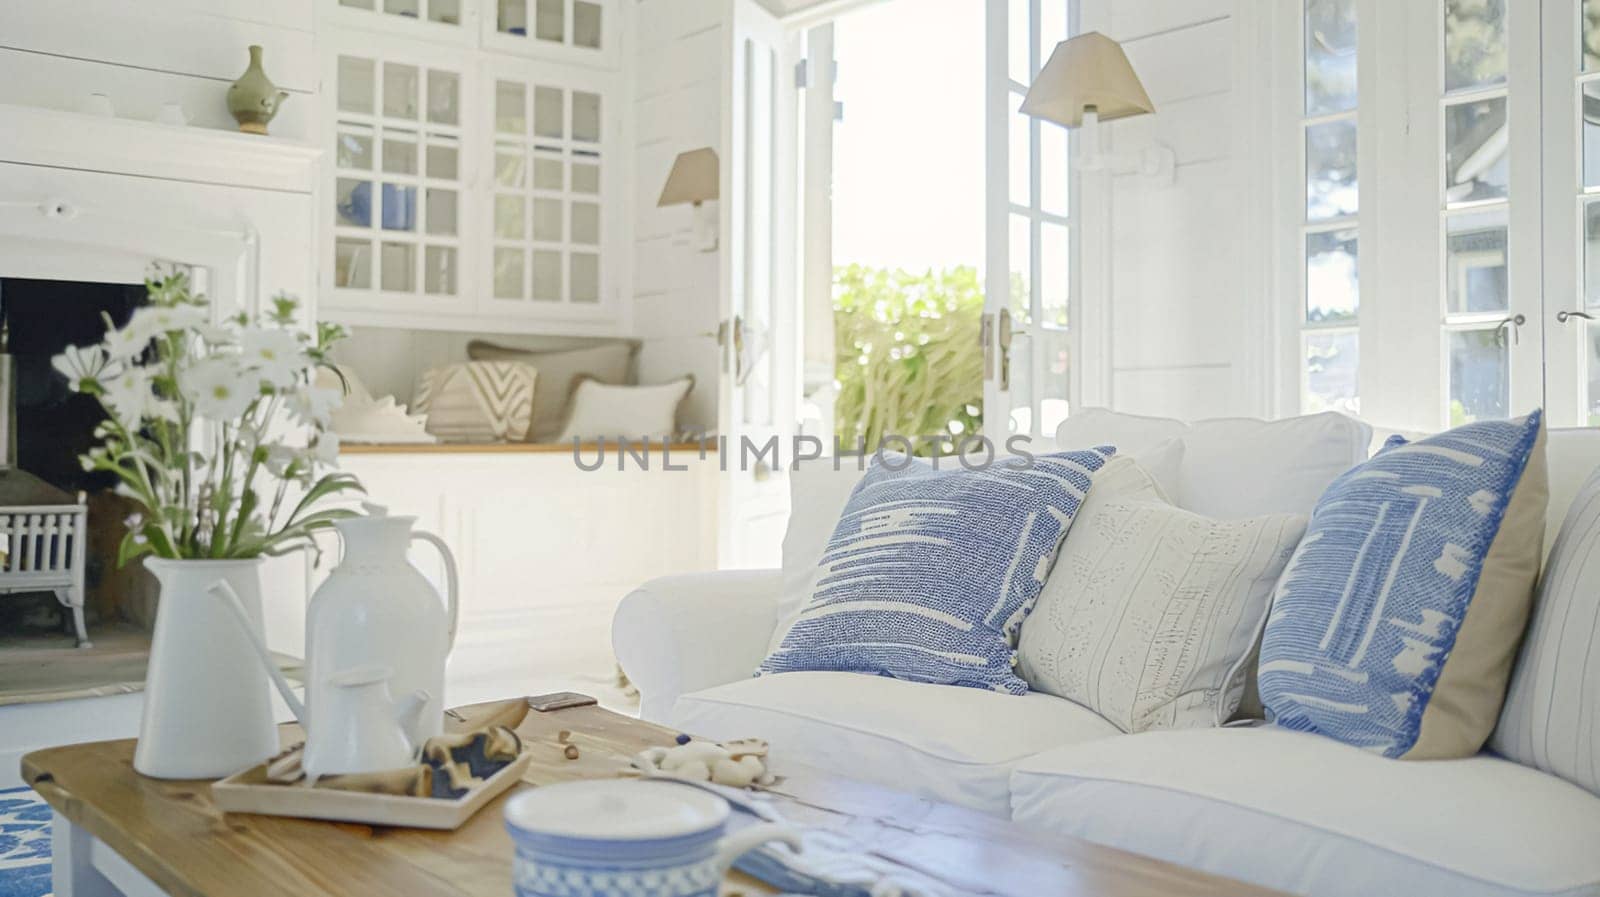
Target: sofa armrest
(679, 634)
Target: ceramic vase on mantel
(207, 702)
(254, 99)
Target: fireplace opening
(53, 426)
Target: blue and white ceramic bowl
(626, 838)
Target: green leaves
(908, 361)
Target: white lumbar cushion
(1308, 815)
(1150, 610)
(951, 744)
(1551, 717)
(1236, 467)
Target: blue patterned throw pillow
(1396, 623)
(929, 573)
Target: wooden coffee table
(118, 833)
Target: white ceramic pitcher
(377, 609)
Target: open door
(760, 328)
(1027, 334)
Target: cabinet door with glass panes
(549, 143)
(435, 21)
(398, 231)
(581, 31)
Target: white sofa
(1291, 811)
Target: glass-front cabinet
(398, 181)
(550, 168)
(583, 31)
(469, 183)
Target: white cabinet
(545, 549)
(472, 187)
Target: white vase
(207, 702)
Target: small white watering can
(362, 729)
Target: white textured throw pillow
(1550, 720)
(1151, 609)
(603, 411)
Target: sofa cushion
(1308, 815)
(1240, 467)
(951, 744)
(1235, 467)
(1550, 720)
(1572, 455)
(930, 570)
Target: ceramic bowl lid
(616, 809)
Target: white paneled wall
(678, 103)
(145, 54)
(1186, 266)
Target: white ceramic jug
(377, 609)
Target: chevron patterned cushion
(1395, 625)
(477, 401)
(929, 573)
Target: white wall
(1187, 264)
(677, 89)
(54, 54)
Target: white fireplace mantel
(52, 138)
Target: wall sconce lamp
(694, 180)
(1088, 81)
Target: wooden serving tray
(250, 792)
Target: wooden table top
(175, 835)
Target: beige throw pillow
(558, 375)
(477, 401)
(602, 411)
(1151, 610)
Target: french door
(1571, 132)
(759, 384)
(1028, 333)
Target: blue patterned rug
(24, 844)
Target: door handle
(1563, 316)
(1515, 323)
(1005, 349)
(730, 335)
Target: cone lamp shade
(693, 178)
(1088, 72)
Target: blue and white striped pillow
(929, 573)
(1395, 625)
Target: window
(1578, 317)
(1330, 343)
(1475, 203)
(1035, 305)
(1419, 288)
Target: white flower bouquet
(207, 426)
